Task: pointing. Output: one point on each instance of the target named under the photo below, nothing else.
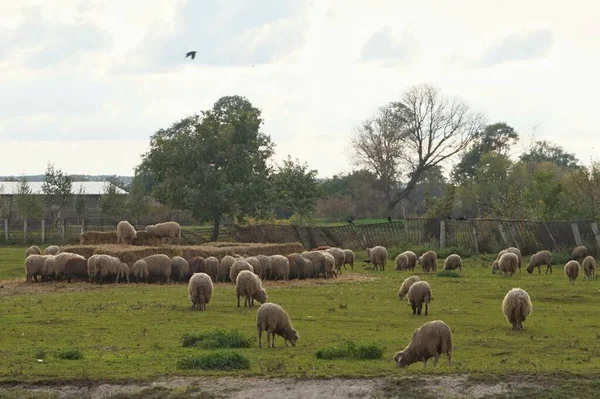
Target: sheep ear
(397, 356)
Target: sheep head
(291, 335)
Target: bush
(349, 350)
(217, 339)
(447, 273)
(70, 354)
(215, 361)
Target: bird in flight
(190, 54)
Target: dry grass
(110, 237)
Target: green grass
(134, 332)
(349, 350)
(217, 339)
(215, 361)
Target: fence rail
(478, 236)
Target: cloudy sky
(84, 83)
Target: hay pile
(110, 237)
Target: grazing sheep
(76, 267)
(225, 266)
(516, 306)
(430, 340)
(237, 267)
(200, 289)
(507, 264)
(48, 268)
(513, 250)
(256, 264)
(106, 268)
(538, 259)
(125, 233)
(378, 256)
(408, 282)
(572, 270)
(401, 262)
(318, 262)
(265, 266)
(453, 262)
(339, 256)
(428, 261)
(349, 258)
(280, 267)
(249, 285)
(159, 267)
(412, 260)
(91, 266)
(165, 230)
(124, 272)
(329, 264)
(139, 270)
(589, 267)
(274, 320)
(33, 266)
(197, 265)
(180, 268)
(51, 250)
(59, 263)
(300, 267)
(418, 294)
(212, 266)
(32, 250)
(579, 253)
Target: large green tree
(214, 164)
(295, 188)
(57, 188)
(545, 151)
(28, 203)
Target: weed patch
(70, 354)
(448, 273)
(217, 339)
(349, 350)
(225, 361)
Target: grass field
(134, 332)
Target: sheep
(430, 340)
(200, 289)
(124, 272)
(507, 264)
(339, 256)
(378, 256)
(249, 285)
(329, 264)
(513, 250)
(159, 265)
(140, 271)
(349, 258)
(91, 266)
(300, 267)
(579, 253)
(319, 264)
(265, 266)
(412, 260)
(280, 267)
(401, 262)
(572, 270)
(589, 267)
(428, 261)
(47, 273)
(256, 264)
(165, 230)
(408, 282)
(180, 268)
(197, 265)
(212, 267)
(274, 320)
(516, 306)
(106, 268)
(33, 266)
(60, 260)
(538, 259)
(418, 294)
(237, 267)
(76, 267)
(51, 250)
(225, 267)
(125, 233)
(453, 262)
(33, 250)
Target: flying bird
(191, 54)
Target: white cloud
(515, 47)
(383, 46)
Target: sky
(85, 83)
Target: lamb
(125, 233)
(265, 266)
(237, 267)
(180, 268)
(430, 340)
(51, 250)
(280, 267)
(589, 267)
(249, 285)
(507, 264)
(33, 266)
(516, 306)
(159, 266)
(76, 267)
(124, 271)
(340, 257)
(256, 265)
(200, 289)
(418, 294)
(225, 266)
(428, 261)
(274, 320)
(579, 253)
(572, 270)
(140, 271)
(378, 256)
(165, 230)
(401, 262)
(538, 259)
(513, 250)
(212, 267)
(33, 250)
(349, 258)
(408, 282)
(453, 262)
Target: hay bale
(144, 238)
(249, 249)
(98, 237)
(84, 250)
(131, 253)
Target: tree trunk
(216, 225)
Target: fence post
(43, 231)
(503, 234)
(83, 226)
(550, 234)
(475, 241)
(6, 230)
(442, 233)
(596, 233)
(576, 234)
(24, 231)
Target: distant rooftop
(90, 187)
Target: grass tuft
(448, 273)
(217, 339)
(226, 361)
(70, 354)
(349, 350)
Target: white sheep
(406, 284)
(589, 267)
(428, 261)
(401, 262)
(507, 264)
(225, 266)
(180, 268)
(265, 266)
(538, 259)
(237, 267)
(430, 340)
(200, 289)
(339, 256)
(51, 250)
(349, 258)
(377, 256)
(453, 262)
(280, 267)
(418, 294)
(572, 270)
(274, 320)
(159, 266)
(139, 270)
(33, 250)
(165, 230)
(126, 233)
(249, 285)
(33, 266)
(516, 306)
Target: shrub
(70, 354)
(215, 361)
(447, 273)
(349, 350)
(217, 339)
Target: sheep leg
(426, 309)
(238, 301)
(273, 340)
(419, 308)
(260, 338)
(414, 309)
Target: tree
(57, 189)
(138, 202)
(544, 151)
(80, 202)
(213, 164)
(111, 202)
(29, 205)
(295, 188)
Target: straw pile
(110, 237)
